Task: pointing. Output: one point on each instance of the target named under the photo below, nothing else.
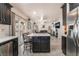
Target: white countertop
(39, 34)
(7, 38)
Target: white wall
(4, 30)
(17, 12)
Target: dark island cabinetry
(41, 44)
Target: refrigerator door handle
(75, 43)
(77, 39)
(74, 40)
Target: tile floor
(55, 49)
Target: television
(57, 25)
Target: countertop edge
(8, 38)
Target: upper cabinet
(73, 5)
(64, 11)
(5, 13)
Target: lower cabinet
(9, 48)
(6, 49)
(15, 47)
(41, 44)
(64, 45)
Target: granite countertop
(6, 38)
(39, 34)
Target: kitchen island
(40, 42)
(9, 46)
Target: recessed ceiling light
(34, 12)
(41, 18)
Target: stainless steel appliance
(72, 42)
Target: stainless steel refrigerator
(72, 41)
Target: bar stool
(27, 42)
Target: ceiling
(34, 10)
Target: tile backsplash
(4, 30)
